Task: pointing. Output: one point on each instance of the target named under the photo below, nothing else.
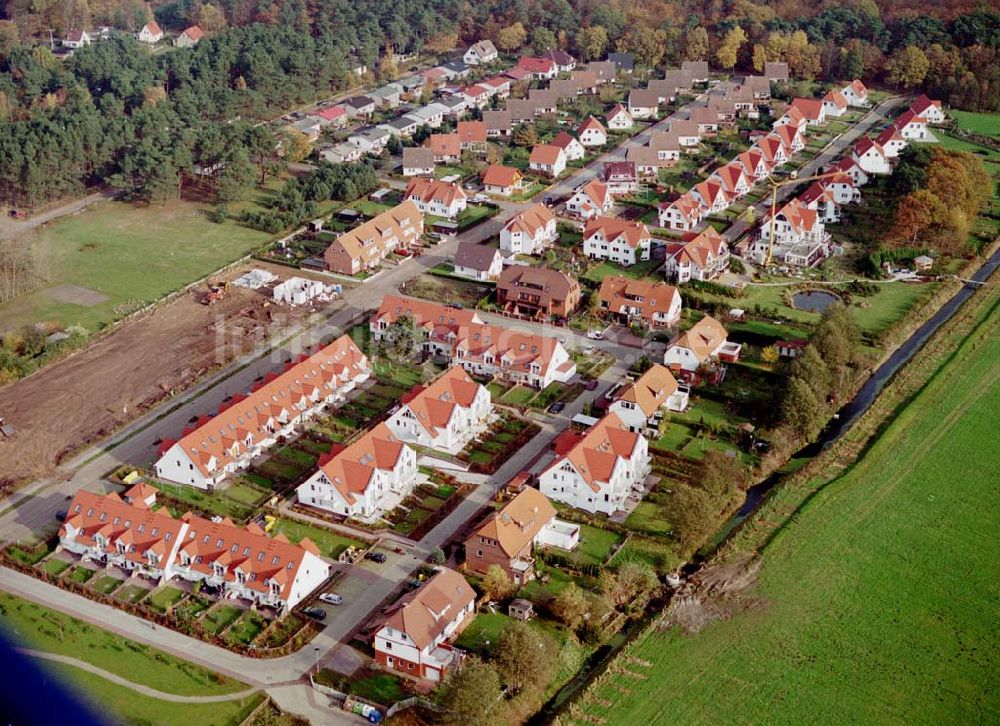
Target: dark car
(61, 515)
(413, 584)
(375, 557)
(315, 613)
(557, 407)
(592, 384)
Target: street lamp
(793, 178)
(316, 662)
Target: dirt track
(88, 395)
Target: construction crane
(793, 178)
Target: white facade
(150, 34)
(385, 488)
(593, 136)
(517, 240)
(617, 249)
(620, 121)
(491, 273)
(915, 130)
(441, 207)
(563, 482)
(462, 425)
(298, 291)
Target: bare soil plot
(76, 295)
(87, 396)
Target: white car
(331, 598)
(595, 334)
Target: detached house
(856, 94)
(684, 213)
(754, 164)
(913, 127)
(76, 39)
(834, 104)
(655, 304)
(697, 69)
(711, 195)
(432, 196)
(870, 156)
(216, 446)
(570, 145)
(543, 69)
(418, 161)
(444, 415)
(508, 538)
(592, 133)
(478, 262)
(643, 103)
(820, 199)
(548, 160)
(590, 199)
(482, 52)
(703, 257)
(502, 180)
(563, 60)
(619, 119)
(733, 179)
(498, 124)
(800, 237)
(472, 136)
(812, 110)
(150, 33)
(537, 293)
(528, 359)
(605, 467)
(444, 147)
(891, 141)
(364, 247)
(620, 176)
(621, 241)
(703, 344)
(776, 71)
(365, 479)
(640, 405)
(359, 106)
(929, 109)
(415, 639)
(189, 37)
(529, 232)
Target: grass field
(128, 254)
(987, 124)
(129, 707)
(330, 543)
(44, 629)
(877, 599)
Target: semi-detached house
(365, 479)
(440, 198)
(640, 405)
(417, 634)
(216, 446)
(702, 256)
(365, 246)
(445, 415)
(655, 304)
(529, 232)
(607, 466)
(622, 241)
(703, 344)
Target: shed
(923, 263)
(521, 609)
(380, 194)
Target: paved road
(834, 150)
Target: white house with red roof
(512, 355)
(189, 37)
(870, 156)
(590, 200)
(684, 213)
(416, 637)
(605, 468)
(242, 562)
(913, 127)
(547, 159)
(704, 343)
(482, 51)
(433, 196)
(891, 141)
(618, 118)
(529, 232)
(439, 325)
(800, 238)
(620, 176)
(773, 150)
(335, 116)
(754, 164)
(444, 415)
(570, 145)
(76, 39)
(733, 178)
(592, 133)
(622, 241)
(641, 404)
(543, 69)
(834, 104)
(930, 109)
(792, 137)
(216, 446)
(856, 94)
(842, 187)
(363, 480)
(820, 199)
(150, 33)
(711, 195)
(654, 303)
(702, 256)
(848, 166)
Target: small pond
(815, 301)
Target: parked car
(557, 407)
(591, 384)
(413, 584)
(595, 334)
(331, 598)
(375, 556)
(61, 515)
(315, 613)
(588, 350)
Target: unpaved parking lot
(90, 394)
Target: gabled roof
(563, 140)
(153, 28)
(475, 256)
(922, 103)
(810, 108)
(688, 207)
(863, 146)
(624, 61)
(643, 98)
(519, 522)
(731, 174)
(624, 169)
(350, 470)
(433, 190)
(617, 110)
(194, 33)
(531, 221)
(799, 217)
(547, 284)
(417, 158)
(889, 133)
(534, 64)
(595, 454)
(560, 57)
(592, 123)
(444, 145)
(213, 437)
(75, 36)
(698, 249)
(859, 88)
(501, 176)
(649, 297)
(703, 338)
(546, 154)
(424, 613)
(365, 242)
(651, 391)
(836, 98)
(484, 48)
(497, 120)
(330, 114)
(471, 132)
(427, 315)
(630, 231)
(596, 191)
(788, 133)
(434, 405)
(709, 191)
(908, 117)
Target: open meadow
(876, 601)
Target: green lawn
(127, 706)
(518, 395)
(987, 124)
(127, 253)
(44, 629)
(244, 630)
(219, 618)
(106, 584)
(55, 566)
(330, 543)
(595, 544)
(382, 688)
(648, 517)
(878, 596)
(637, 271)
(80, 575)
(131, 593)
(483, 631)
(165, 597)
